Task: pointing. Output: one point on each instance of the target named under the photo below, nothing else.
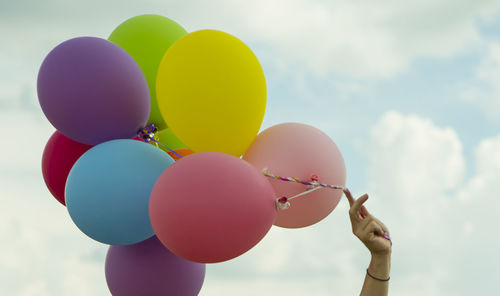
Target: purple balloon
(149, 268)
(93, 91)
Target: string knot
(282, 203)
(147, 134)
(314, 180)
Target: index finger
(349, 196)
(356, 207)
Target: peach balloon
(302, 151)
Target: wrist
(380, 265)
(381, 256)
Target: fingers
(364, 211)
(381, 225)
(349, 196)
(373, 227)
(354, 212)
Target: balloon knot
(314, 179)
(282, 203)
(147, 133)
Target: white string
(286, 205)
(305, 192)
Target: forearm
(380, 266)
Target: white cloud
(416, 174)
(43, 252)
(488, 156)
(356, 38)
(430, 157)
(316, 260)
(26, 133)
(436, 217)
(366, 38)
(479, 197)
(484, 91)
(475, 217)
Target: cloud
(484, 91)
(417, 188)
(43, 251)
(46, 254)
(476, 220)
(431, 157)
(354, 38)
(442, 223)
(319, 259)
(27, 132)
(366, 38)
(436, 217)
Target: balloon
(146, 38)
(182, 152)
(211, 91)
(148, 268)
(211, 207)
(59, 156)
(108, 188)
(93, 91)
(179, 151)
(167, 138)
(302, 151)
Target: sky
(408, 90)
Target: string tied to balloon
(147, 134)
(283, 203)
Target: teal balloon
(108, 188)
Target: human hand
(371, 231)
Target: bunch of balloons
(199, 184)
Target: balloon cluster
(157, 152)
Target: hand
(371, 231)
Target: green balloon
(146, 38)
(167, 138)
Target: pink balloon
(302, 151)
(59, 156)
(210, 207)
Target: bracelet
(375, 278)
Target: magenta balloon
(59, 156)
(93, 91)
(148, 268)
(211, 207)
(299, 150)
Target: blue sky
(407, 89)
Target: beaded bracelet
(375, 278)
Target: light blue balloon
(108, 188)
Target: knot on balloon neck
(147, 133)
(282, 203)
(314, 180)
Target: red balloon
(211, 207)
(59, 156)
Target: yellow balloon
(211, 90)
